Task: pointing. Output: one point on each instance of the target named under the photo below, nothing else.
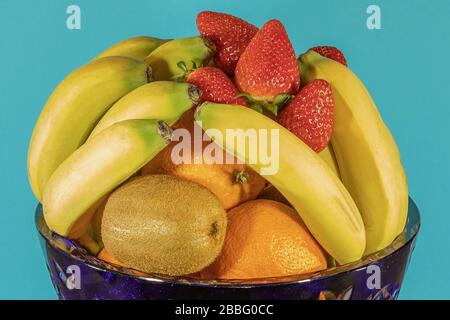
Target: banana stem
(164, 131)
(209, 44)
(149, 73)
(195, 94)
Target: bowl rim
(408, 235)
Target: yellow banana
(368, 158)
(165, 59)
(329, 157)
(163, 100)
(97, 168)
(88, 242)
(137, 48)
(302, 177)
(74, 108)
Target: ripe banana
(368, 158)
(98, 167)
(165, 59)
(137, 48)
(88, 242)
(303, 177)
(329, 157)
(74, 108)
(163, 100)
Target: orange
(266, 239)
(231, 183)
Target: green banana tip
(302, 56)
(309, 56)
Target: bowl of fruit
(219, 166)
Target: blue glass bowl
(78, 275)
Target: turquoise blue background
(405, 66)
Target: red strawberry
(310, 115)
(331, 53)
(268, 67)
(216, 86)
(230, 34)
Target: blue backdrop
(405, 65)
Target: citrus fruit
(231, 183)
(266, 239)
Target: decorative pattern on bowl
(78, 275)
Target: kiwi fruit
(163, 224)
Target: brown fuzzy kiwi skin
(163, 224)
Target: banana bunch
(98, 128)
(97, 167)
(305, 180)
(367, 156)
(156, 100)
(74, 108)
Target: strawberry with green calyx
(184, 71)
(331, 53)
(268, 70)
(215, 85)
(230, 35)
(272, 106)
(310, 115)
